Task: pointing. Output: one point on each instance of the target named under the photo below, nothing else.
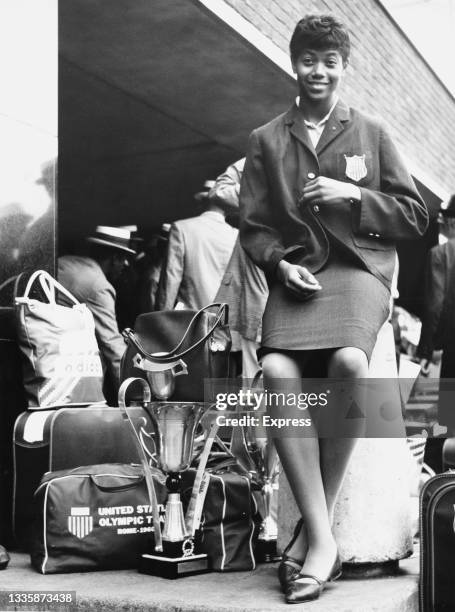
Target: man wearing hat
(198, 252)
(438, 321)
(89, 279)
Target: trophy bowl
(175, 425)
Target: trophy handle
(194, 510)
(177, 367)
(147, 396)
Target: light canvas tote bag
(61, 361)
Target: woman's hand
(329, 191)
(297, 279)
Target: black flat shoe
(289, 567)
(288, 570)
(300, 591)
(4, 558)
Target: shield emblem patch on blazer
(80, 523)
(355, 167)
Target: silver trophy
(257, 453)
(266, 469)
(174, 428)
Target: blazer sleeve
(258, 235)
(397, 212)
(172, 272)
(435, 291)
(227, 185)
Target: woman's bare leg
(301, 463)
(348, 362)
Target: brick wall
(387, 77)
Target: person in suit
(243, 286)
(198, 252)
(324, 198)
(90, 279)
(438, 321)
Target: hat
(202, 195)
(115, 237)
(449, 210)
(160, 237)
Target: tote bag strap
(173, 355)
(49, 286)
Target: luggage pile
(100, 487)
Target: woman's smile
(318, 74)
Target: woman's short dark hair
(320, 32)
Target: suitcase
(12, 403)
(50, 440)
(437, 543)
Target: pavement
(256, 591)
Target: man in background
(438, 321)
(90, 279)
(198, 252)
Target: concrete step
(257, 591)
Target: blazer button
(316, 208)
(311, 175)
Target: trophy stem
(266, 546)
(174, 523)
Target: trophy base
(265, 551)
(174, 567)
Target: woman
(324, 199)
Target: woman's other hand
(329, 191)
(297, 279)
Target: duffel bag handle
(136, 480)
(172, 355)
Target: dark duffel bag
(66, 438)
(437, 542)
(98, 517)
(195, 343)
(229, 515)
(93, 518)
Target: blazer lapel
(334, 126)
(297, 127)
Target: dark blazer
(274, 224)
(438, 320)
(438, 323)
